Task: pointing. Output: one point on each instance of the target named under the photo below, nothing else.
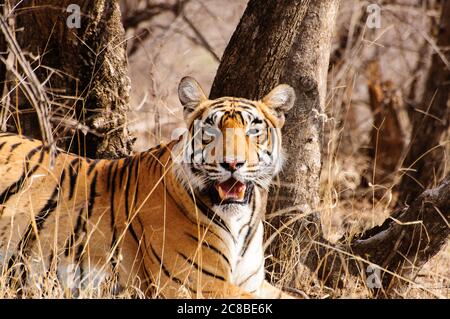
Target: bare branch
(33, 88)
(201, 38)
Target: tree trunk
(409, 238)
(425, 159)
(85, 72)
(306, 70)
(249, 69)
(258, 49)
(3, 54)
(300, 60)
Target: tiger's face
(231, 145)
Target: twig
(33, 90)
(200, 37)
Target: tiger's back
(85, 219)
(51, 218)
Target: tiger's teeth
(222, 193)
(241, 195)
(234, 195)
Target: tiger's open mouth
(232, 191)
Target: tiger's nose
(232, 165)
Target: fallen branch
(398, 248)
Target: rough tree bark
(297, 193)
(3, 78)
(425, 157)
(303, 62)
(3, 54)
(87, 64)
(260, 45)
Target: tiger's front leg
(227, 291)
(268, 291)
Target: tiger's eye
(254, 131)
(209, 133)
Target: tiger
(181, 220)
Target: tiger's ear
(281, 99)
(190, 94)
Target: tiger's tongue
(231, 189)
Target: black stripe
(24, 245)
(79, 260)
(257, 121)
(133, 233)
(160, 153)
(252, 229)
(127, 190)
(238, 116)
(248, 239)
(148, 277)
(195, 222)
(150, 154)
(167, 273)
(108, 175)
(15, 187)
(81, 225)
(1, 145)
(74, 168)
(75, 234)
(92, 166)
(112, 198)
(14, 146)
(218, 103)
(214, 249)
(136, 176)
(153, 163)
(187, 215)
(244, 101)
(252, 209)
(209, 213)
(51, 204)
(251, 275)
(204, 271)
(92, 195)
(111, 186)
(123, 169)
(219, 106)
(209, 120)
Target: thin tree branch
(32, 88)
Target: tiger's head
(231, 145)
